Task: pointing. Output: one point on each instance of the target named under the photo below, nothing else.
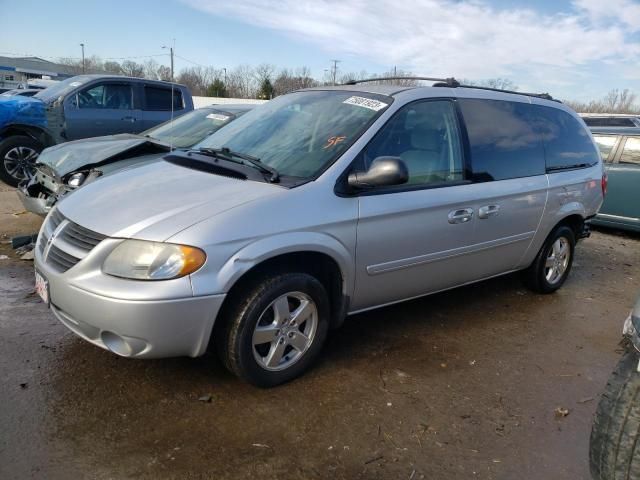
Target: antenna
(171, 53)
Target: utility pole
(334, 70)
(82, 45)
(171, 55)
(225, 76)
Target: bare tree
(615, 101)
(155, 71)
(132, 69)
(498, 83)
(290, 80)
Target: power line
(189, 61)
(80, 58)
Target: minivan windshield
(189, 129)
(302, 133)
(51, 93)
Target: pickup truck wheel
(552, 265)
(277, 329)
(17, 157)
(614, 447)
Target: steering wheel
(86, 100)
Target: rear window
(609, 122)
(567, 143)
(503, 140)
(159, 98)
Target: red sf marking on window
(333, 141)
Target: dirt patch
(463, 384)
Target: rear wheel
(17, 158)
(552, 265)
(275, 331)
(614, 448)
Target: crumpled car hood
(70, 156)
(158, 200)
(26, 110)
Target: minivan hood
(25, 110)
(67, 157)
(156, 201)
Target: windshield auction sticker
(369, 103)
(217, 116)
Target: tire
(537, 276)
(283, 357)
(614, 447)
(17, 157)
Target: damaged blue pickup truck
(81, 107)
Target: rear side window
(503, 139)
(567, 142)
(159, 98)
(609, 122)
(605, 144)
(631, 151)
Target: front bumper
(130, 318)
(39, 206)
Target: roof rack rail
(544, 96)
(453, 83)
(450, 82)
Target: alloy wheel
(285, 331)
(557, 260)
(18, 161)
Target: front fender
(220, 279)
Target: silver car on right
(317, 205)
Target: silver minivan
(317, 205)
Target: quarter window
(159, 99)
(631, 151)
(425, 136)
(605, 144)
(567, 142)
(503, 140)
(111, 96)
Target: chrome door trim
(446, 254)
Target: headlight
(76, 179)
(143, 260)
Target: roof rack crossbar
(453, 83)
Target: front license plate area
(42, 288)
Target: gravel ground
(462, 384)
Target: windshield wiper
(227, 154)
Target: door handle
(488, 211)
(462, 215)
(129, 119)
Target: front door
(104, 108)
(414, 238)
(622, 202)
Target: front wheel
(614, 447)
(17, 158)
(552, 265)
(274, 332)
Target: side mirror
(384, 171)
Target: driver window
(425, 136)
(111, 96)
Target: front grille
(71, 242)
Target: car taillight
(605, 181)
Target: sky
(573, 49)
